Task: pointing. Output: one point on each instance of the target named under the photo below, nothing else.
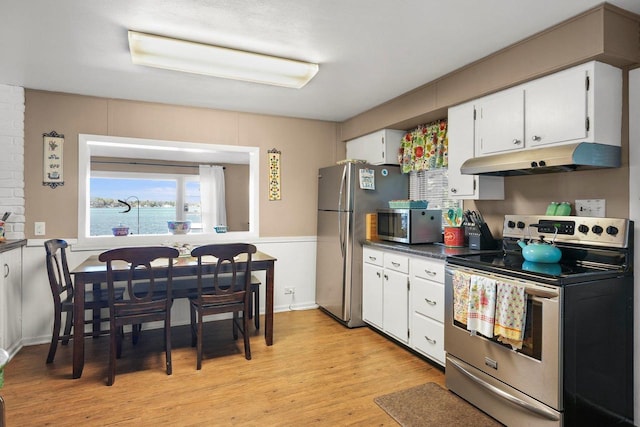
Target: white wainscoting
(295, 268)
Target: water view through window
(153, 202)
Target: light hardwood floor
(316, 373)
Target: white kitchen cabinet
(11, 299)
(500, 122)
(580, 104)
(372, 295)
(427, 307)
(461, 125)
(395, 309)
(385, 292)
(377, 148)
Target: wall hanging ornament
(53, 147)
(274, 174)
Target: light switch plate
(591, 207)
(39, 229)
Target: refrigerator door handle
(341, 236)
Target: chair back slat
(58, 270)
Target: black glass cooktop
(577, 265)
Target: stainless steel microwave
(410, 225)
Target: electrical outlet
(289, 291)
(590, 207)
(39, 229)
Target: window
(142, 202)
(432, 185)
(160, 181)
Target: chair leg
(113, 339)
(119, 337)
(193, 325)
(135, 333)
(256, 308)
(235, 325)
(199, 342)
(167, 337)
(68, 324)
(55, 336)
(245, 335)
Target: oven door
(521, 379)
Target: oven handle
(546, 413)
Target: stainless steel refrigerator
(346, 193)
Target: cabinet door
(556, 108)
(461, 141)
(372, 294)
(500, 122)
(396, 305)
(11, 298)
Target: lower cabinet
(403, 297)
(11, 299)
(385, 292)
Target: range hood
(559, 158)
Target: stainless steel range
(545, 344)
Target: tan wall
(306, 145)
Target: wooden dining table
(94, 272)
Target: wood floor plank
(316, 373)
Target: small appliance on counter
(412, 226)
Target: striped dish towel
(461, 282)
(511, 312)
(482, 306)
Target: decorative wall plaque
(274, 174)
(53, 144)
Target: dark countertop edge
(8, 245)
(431, 250)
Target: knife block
(480, 237)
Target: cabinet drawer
(397, 263)
(372, 256)
(428, 298)
(431, 269)
(427, 336)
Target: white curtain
(212, 198)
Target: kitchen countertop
(8, 245)
(431, 250)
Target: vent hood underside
(560, 158)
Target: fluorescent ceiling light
(198, 58)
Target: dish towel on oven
(461, 283)
(511, 311)
(482, 305)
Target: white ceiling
(369, 51)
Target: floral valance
(425, 147)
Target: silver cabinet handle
(386, 277)
(372, 258)
(430, 302)
(430, 273)
(6, 271)
(379, 275)
(454, 190)
(395, 264)
(516, 142)
(536, 138)
(429, 340)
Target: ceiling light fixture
(191, 57)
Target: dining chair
(141, 302)
(224, 288)
(62, 292)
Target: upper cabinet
(580, 104)
(377, 148)
(461, 137)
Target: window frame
(87, 142)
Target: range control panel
(612, 232)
